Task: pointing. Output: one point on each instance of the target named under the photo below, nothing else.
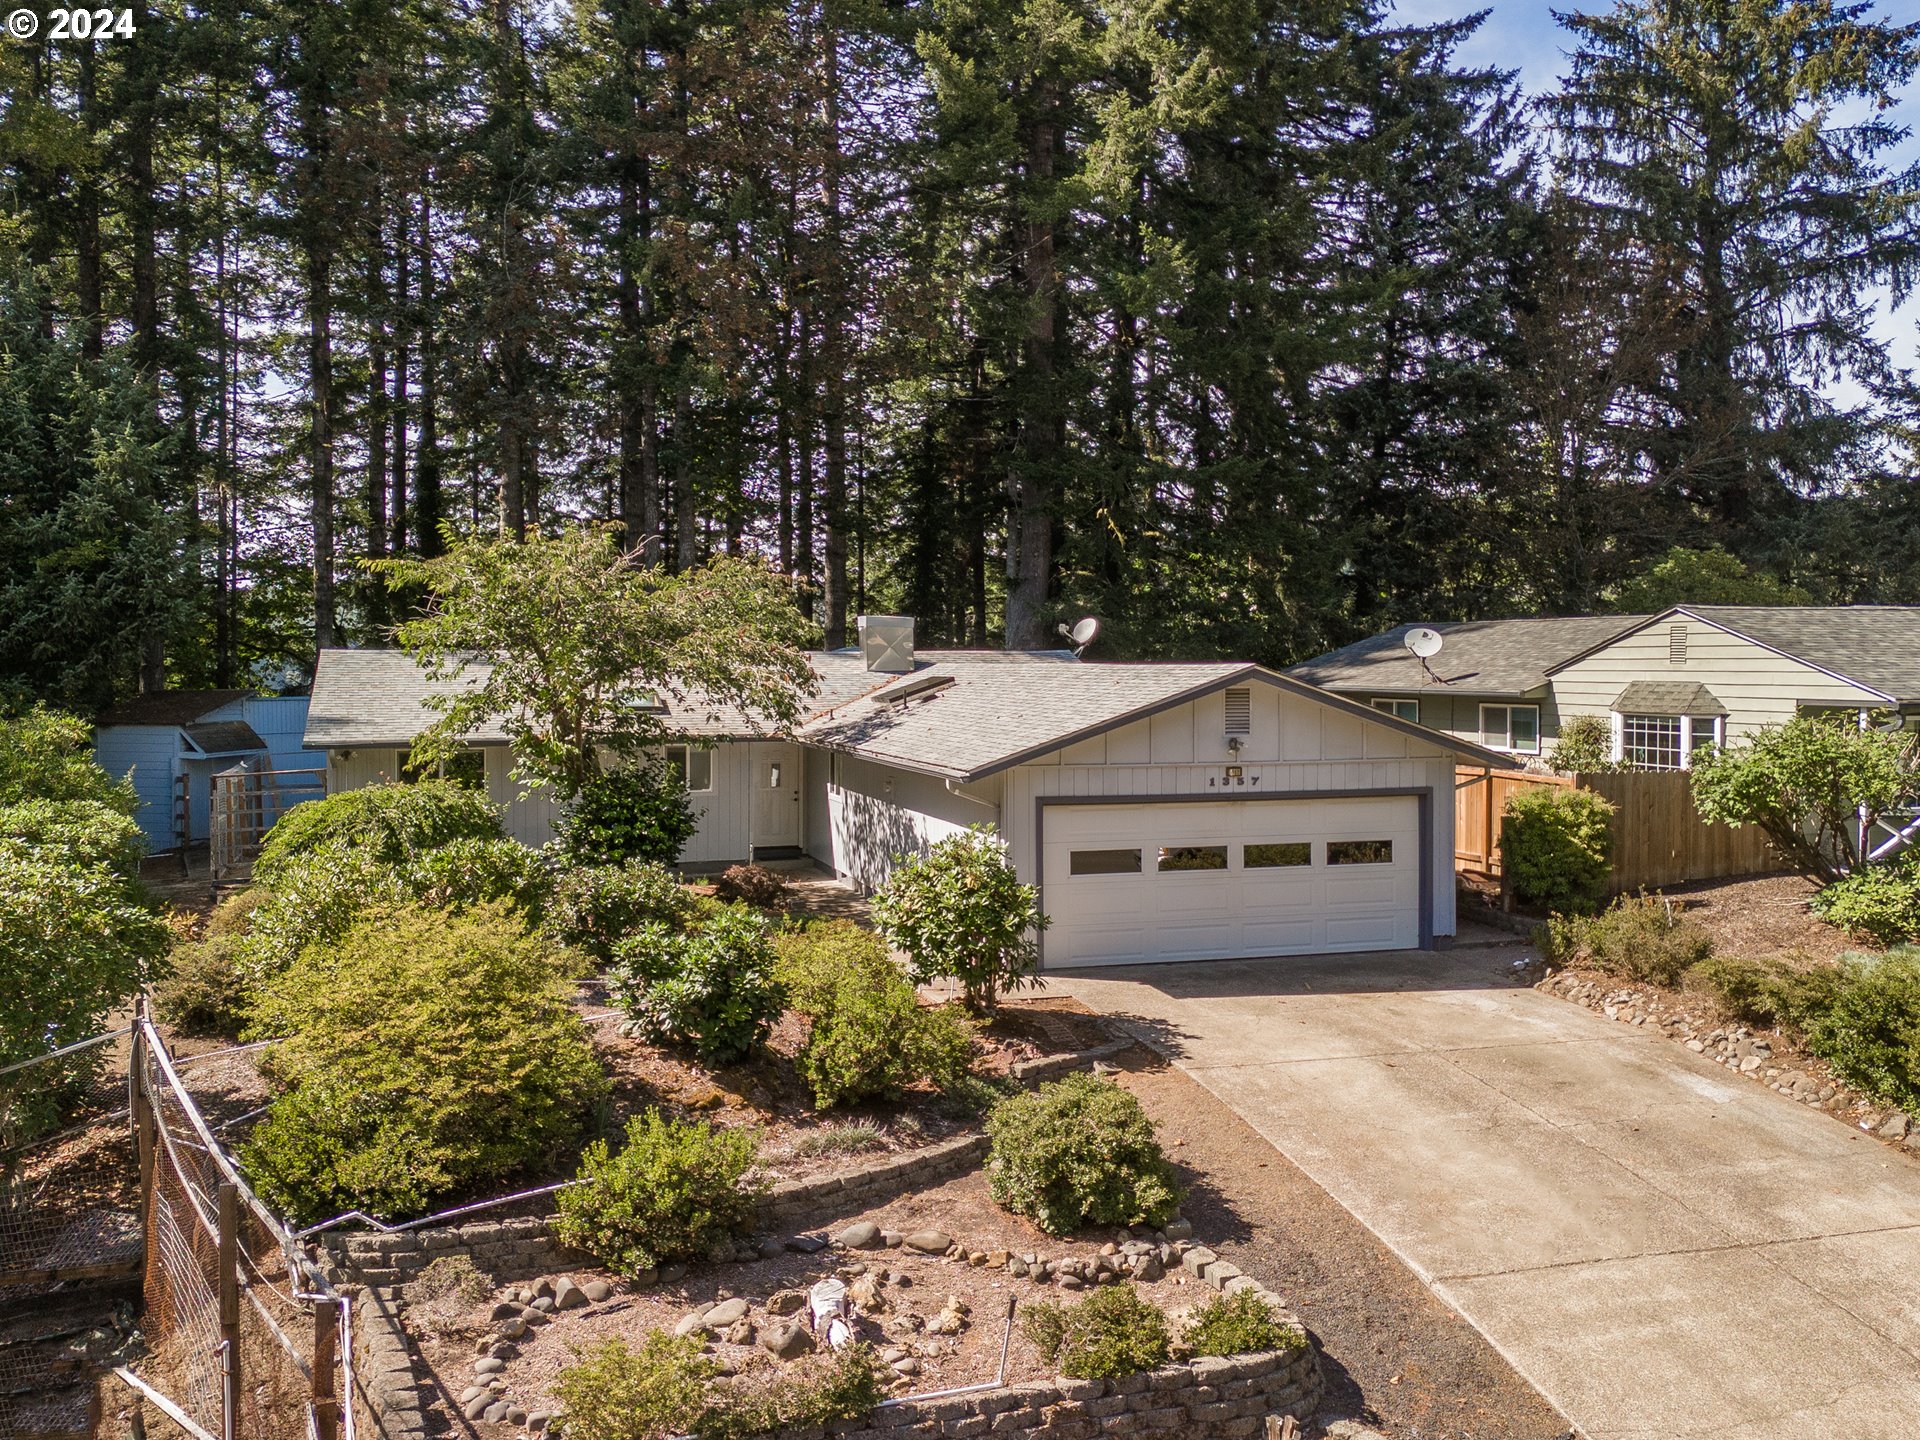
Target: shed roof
(1667, 697)
(171, 707)
(224, 737)
(1477, 657)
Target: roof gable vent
(1676, 644)
(1239, 711)
(886, 643)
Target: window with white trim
(693, 765)
(1514, 728)
(1650, 742)
(1408, 710)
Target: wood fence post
(229, 1264)
(326, 1347)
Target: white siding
(1757, 686)
(1296, 745)
(152, 754)
(876, 813)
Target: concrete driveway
(1665, 1250)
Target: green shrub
(1642, 937)
(1556, 848)
(712, 991)
(233, 916)
(427, 1054)
(807, 1396)
(614, 1392)
(1238, 1324)
(857, 1138)
(637, 814)
(753, 885)
(673, 1191)
(1111, 1333)
(1769, 992)
(870, 1038)
(1077, 1152)
(468, 871)
(205, 992)
(594, 907)
(394, 823)
(48, 755)
(1585, 746)
(960, 913)
(91, 833)
(1870, 1033)
(1877, 902)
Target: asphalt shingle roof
(1667, 697)
(1477, 657)
(1876, 646)
(171, 707)
(225, 737)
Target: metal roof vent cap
(886, 643)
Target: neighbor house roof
(1667, 697)
(1477, 657)
(224, 737)
(1876, 647)
(965, 716)
(171, 707)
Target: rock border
(386, 1390)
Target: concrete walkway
(1664, 1249)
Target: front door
(776, 795)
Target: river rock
(863, 1235)
(725, 1313)
(596, 1290)
(786, 1340)
(567, 1295)
(929, 1242)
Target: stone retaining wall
(386, 1395)
(521, 1248)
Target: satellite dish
(1424, 643)
(1083, 633)
(1890, 721)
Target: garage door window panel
(1188, 858)
(1103, 862)
(1280, 855)
(1359, 852)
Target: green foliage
(711, 991)
(470, 871)
(1238, 1324)
(960, 913)
(205, 991)
(1770, 992)
(614, 1392)
(803, 1397)
(638, 814)
(1711, 576)
(870, 1037)
(1585, 746)
(393, 824)
(1077, 1152)
(1870, 1031)
(1111, 1333)
(1879, 902)
(579, 638)
(427, 1054)
(672, 1192)
(1642, 937)
(1805, 783)
(93, 834)
(1556, 847)
(48, 755)
(594, 907)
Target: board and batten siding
(1757, 686)
(875, 813)
(151, 755)
(1296, 744)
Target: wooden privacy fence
(1658, 836)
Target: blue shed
(173, 743)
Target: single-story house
(1166, 811)
(173, 742)
(1666, 683)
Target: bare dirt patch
(1762, 916)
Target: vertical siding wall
(875, 813)
(151, 753)
(1296, 745)
(1757, 686)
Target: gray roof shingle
(1667, 697)
(1477, 657)
(224, 737)
(170, 707)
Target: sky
(1522, 35)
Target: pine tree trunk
(320, 433)
(402, 366)
(833, 356)
(429, 502)
(86, 239)
(1031, 484)
(378, 302)
(803, 452)
(639, 437)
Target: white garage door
(1127, 884)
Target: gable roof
(1478, 657)
(1876, 647)
(171, 707)
(990, 715)
(1667, 697)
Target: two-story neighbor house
(1167, 811)
(1666, 683)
